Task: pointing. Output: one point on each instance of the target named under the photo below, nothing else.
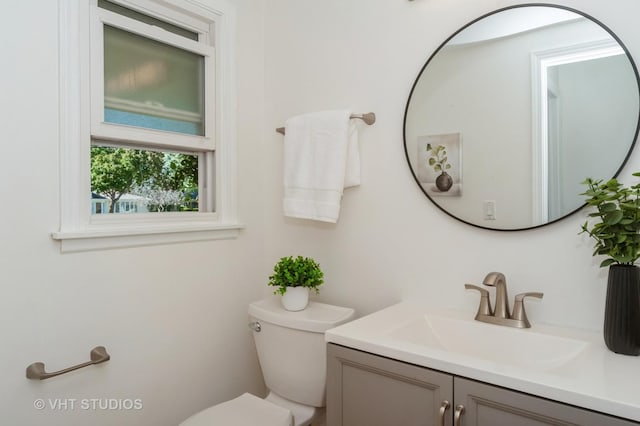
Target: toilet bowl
(292, 354)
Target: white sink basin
(538, 348)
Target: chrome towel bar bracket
(36, 370)
(369, 118)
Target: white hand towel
(321, 158)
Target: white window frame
(81, 116)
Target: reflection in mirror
(518, 108)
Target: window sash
(142, 136)
(135, 66)
(120, 9)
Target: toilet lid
(245, 410)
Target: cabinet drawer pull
(458, 414)
(443, 409)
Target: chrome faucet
(518, 318)
(499, 281)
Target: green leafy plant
(617, 234)
(438, 157)
(298, 272)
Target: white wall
(174, 317)
(176, 327)
(494, 78)
(391, 243)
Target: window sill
(103, 238)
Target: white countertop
(597, 379)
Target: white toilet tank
(291, 347)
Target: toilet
(292, 354)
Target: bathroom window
(147, 108)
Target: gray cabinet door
(487, 405)
(369, 390)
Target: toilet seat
(245, 410)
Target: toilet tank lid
(316, 317)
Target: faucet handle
(519, 313)
(485, 304)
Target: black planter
(444, 182)
(622, 310)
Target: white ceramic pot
(295, 298)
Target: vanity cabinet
(369, 390)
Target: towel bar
(369, 118)
(36, 370)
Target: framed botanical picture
(440, 164)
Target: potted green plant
(294, 277)
(617, 237)
(439, 161)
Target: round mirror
(514, 111)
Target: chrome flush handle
(255, 326)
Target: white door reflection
(570, 96)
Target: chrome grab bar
(369, 118)
(36, 370)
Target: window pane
(127, 180)
(151, 84)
